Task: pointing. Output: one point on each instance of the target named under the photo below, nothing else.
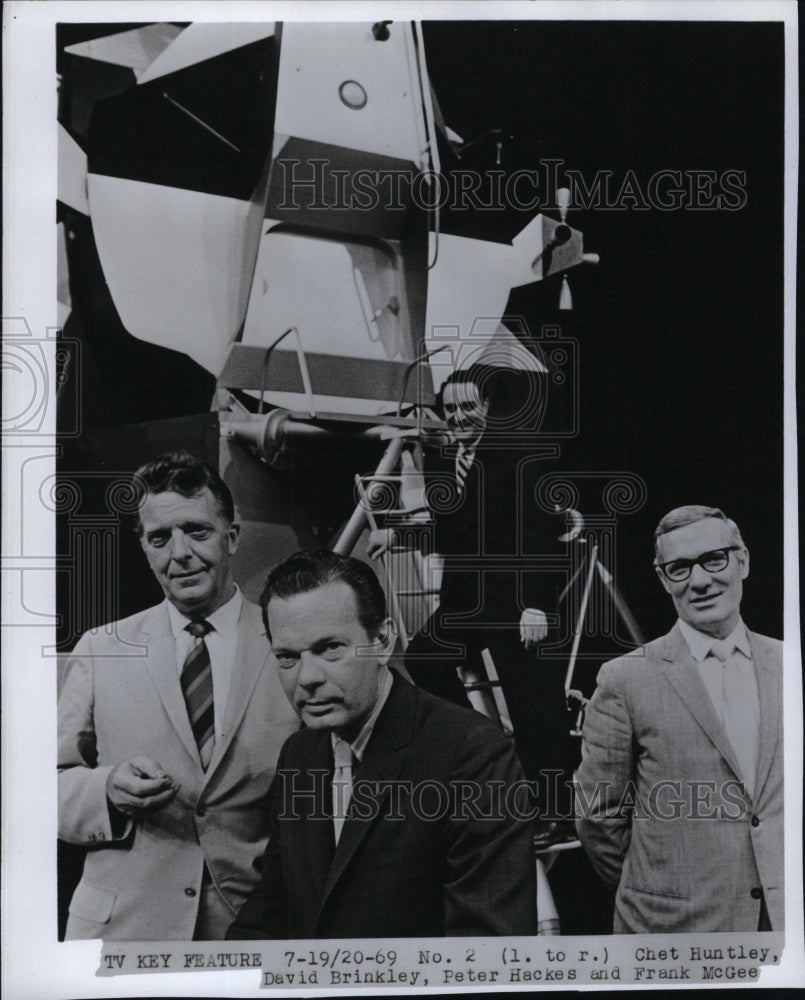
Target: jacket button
(756, 893)
(755, 821)
(189, 891)
(201, 811)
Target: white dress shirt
(342, 779)
(222, 645)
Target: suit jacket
(396, 872)
(122, 697)
(483, 532)
(672, 828)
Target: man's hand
(533, 627)
(139, 787)
(380, 541)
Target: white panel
(527, 248)
(136, 49)
(173, 260)
(200, 41)
(72, 173)
(62, 269)
(329, 292)
(470, 282)
(501, 350)
(315, 59)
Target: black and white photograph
(400, 546)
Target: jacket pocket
(91, 903)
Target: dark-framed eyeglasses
(714, 561)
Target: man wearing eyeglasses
(679, 796)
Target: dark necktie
(197, 690)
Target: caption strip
(689, 958)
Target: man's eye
(332, 650)
(200, 533)
(286, 660)
(157, 540)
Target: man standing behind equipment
(488, 528)
(170, 723)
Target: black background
(680, 326)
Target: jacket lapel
(769, 686)
(683, 673)
(317, 830)
(381, 762)
(161, 665)
(250, 661)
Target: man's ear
(386, 637)
(233, 537)
(742, 555)
(663, 579)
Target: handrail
(300, 355)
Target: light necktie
(737, 717)
(342, 783)
(196, 681)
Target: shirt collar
(700, 644)
(358, 745)
(223, 620)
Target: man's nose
(699, 577)
(180, 547)
(310, 673)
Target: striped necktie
(464, 459)
(196, 683)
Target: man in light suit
(170, 723)
(680, 789)
(392, 814)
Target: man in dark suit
(479, 481)
(392, 811)
(170, 723)
(680, 789)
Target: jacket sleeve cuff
(86, 815)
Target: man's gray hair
(680, 516)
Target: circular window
(353, 95)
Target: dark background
(680, 326)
